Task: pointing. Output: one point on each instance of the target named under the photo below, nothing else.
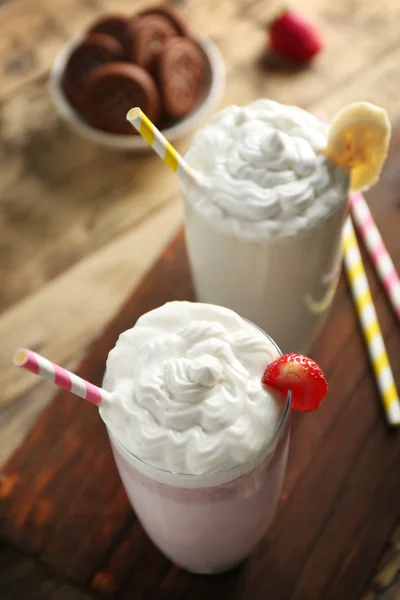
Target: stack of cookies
(149, 60)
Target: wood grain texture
(339, 503)
(386, 582)
(18, 417)
(65, 315)
(21, 575)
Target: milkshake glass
(203, 505)
(264, 239)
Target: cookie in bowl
(151, 60)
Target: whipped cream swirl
(188, 396)
(267, 171)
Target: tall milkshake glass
(265, 238)
(211, 521)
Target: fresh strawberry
(294, 37)
(302, 376)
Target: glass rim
(264, 451)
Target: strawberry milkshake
(200, 442)
(264, 237)
(199, 422)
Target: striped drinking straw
(161, 146)
(369, 324)
(376, 249)
(37, 364)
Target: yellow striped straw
(161, 145)
(370, 325)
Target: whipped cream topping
(266, 169)
(187, 389)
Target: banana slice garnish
(358, 140)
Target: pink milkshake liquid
(201, 524)
(210, 520)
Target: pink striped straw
(37, 364)
(376, 249)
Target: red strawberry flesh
(294, 37)
(302, 376)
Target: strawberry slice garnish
(302, 376)
(293, 37)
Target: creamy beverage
(264, 237)
(200, 443)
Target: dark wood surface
(63, 510)
(23, 576)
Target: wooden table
(80, 226)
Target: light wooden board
(65, 315)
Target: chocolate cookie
(112, 90)
(95, 50)
(149, 34)
(181, 73)
(117, 27)
(164, 10)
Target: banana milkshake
(264, 236)
(200, 442)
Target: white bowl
(208, 102)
